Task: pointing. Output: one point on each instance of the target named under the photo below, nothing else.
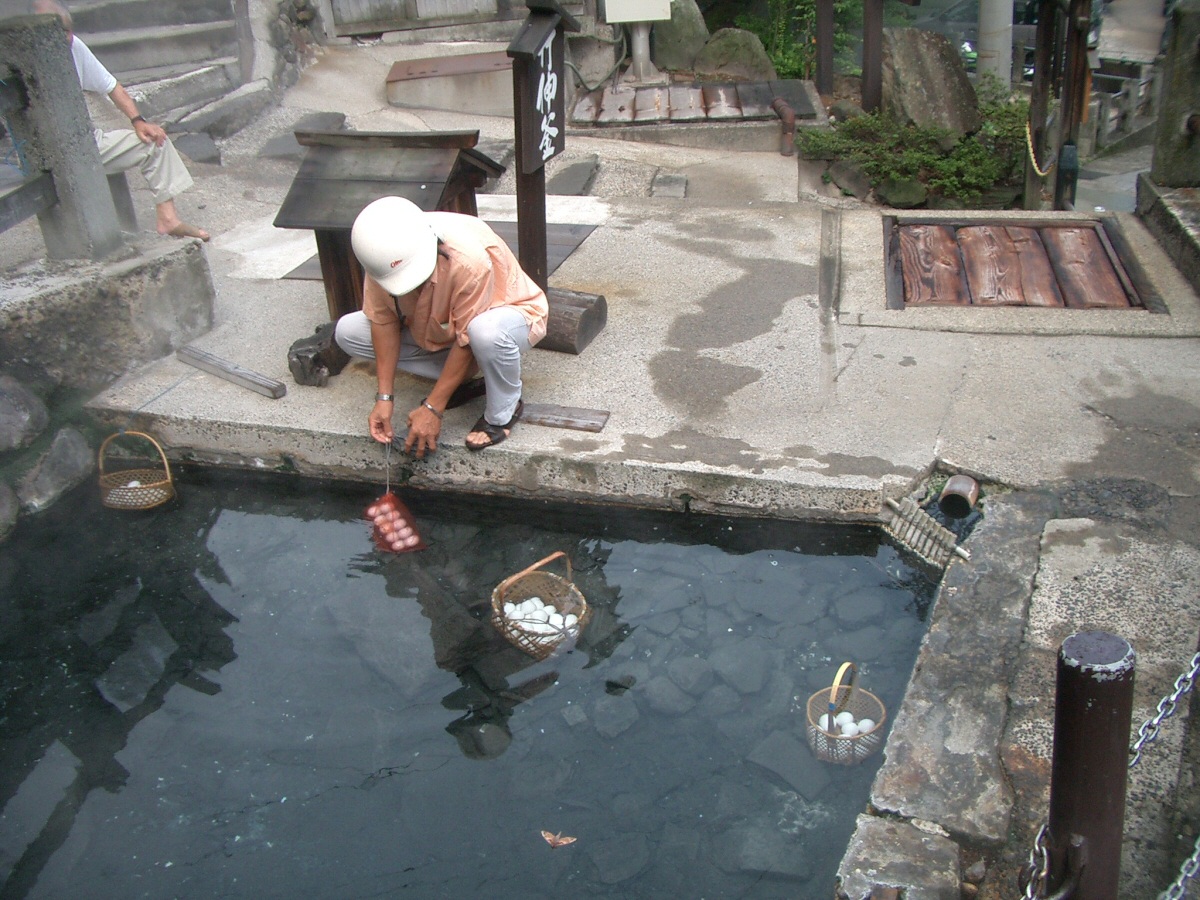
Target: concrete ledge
(280, 447)
(1172, 215)
(112, 316)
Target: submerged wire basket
(555, 591)
(833, 746)
(138, 488)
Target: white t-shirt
(92, 74)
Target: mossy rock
(901, 193)
(735, 54)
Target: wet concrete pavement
(734, 385)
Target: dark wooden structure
(343, 171)
(1075, 265)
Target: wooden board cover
(1007, 266)
(932, 267)
(1084, 271)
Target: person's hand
(424, 426)
(149, 133)
(380, 422)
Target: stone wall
(70, 329)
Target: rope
(1042, 173)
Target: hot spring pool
(237, 695)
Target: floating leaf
(557, 840)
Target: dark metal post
(825, 47)
(1093, 709)
(872, 50)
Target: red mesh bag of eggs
(393, 526)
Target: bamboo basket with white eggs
(537, 611)
(845, 722)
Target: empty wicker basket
(830, 745)
(138, 488)
(554, 590)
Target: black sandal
(466, 392)
(496, 433)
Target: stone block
(925, 83)
(734, 54)
(64, 466)
(884, 853)
(674, 43)
(23, 416)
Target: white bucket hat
(395, 244)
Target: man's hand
(149, 132)
(423, 430)
(380, 422)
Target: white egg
(849, 730)
(134, 483)
(843, 718)
(509, 608)
(556, 620)
(865, 725)
(570, 620)
(824, 721)
(535, 602)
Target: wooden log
(575, 319)
(231, 371)
(1083, 268)
(932, 267)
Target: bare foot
(185, 230)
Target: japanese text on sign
(547, 93)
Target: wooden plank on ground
(1037, 275)
(616, 106)
(932, 267)
(587, 108)
(564, 417)
(1084, 272)
(990, 266)
(232, 372)
(651, 104)
(796, 94)
(721, 102)
(755, 98)
(687, 103)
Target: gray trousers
(499, 338)
(165, 172)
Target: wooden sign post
(539, 103)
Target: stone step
(96, 16)
(166, 89)
(134, 49)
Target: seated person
(146, 146)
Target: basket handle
(109, 439)
(834, 706)
(503, 587)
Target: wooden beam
(575, 319)
(552, 416)
(442, 140)
(232, 372)
(27, 199)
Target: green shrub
(993, 156)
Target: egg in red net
(393, 526)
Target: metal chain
(1039, 866)
(1166, 708)
(1187, 872)
(1041, 173)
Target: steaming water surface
(238, 695)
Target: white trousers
(163, 167)
(499, 338)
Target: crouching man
(444, 299)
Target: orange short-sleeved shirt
(475, 272)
